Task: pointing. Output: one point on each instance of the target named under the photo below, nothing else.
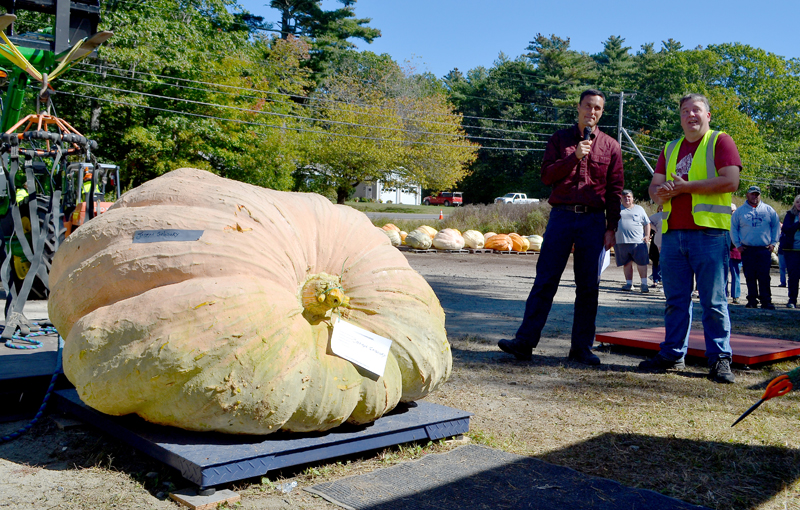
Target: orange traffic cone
(441, 215)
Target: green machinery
(49, 171)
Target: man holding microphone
(583, 165)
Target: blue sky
(439, 35)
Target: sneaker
(791, 305)
(659, 363)
(782, 285)
(627, 286)
(587, 358)
(768, 306)
(512, 347)
(645, 289)
(735, 301)
(720, 371)
(751, 304)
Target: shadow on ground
(478, 477)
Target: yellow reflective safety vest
(714, 210)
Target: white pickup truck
(515, 198)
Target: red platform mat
(747, 350)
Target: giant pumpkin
(231, 332)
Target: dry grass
(669, 433)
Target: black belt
(577, 208)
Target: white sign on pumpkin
(360, 347)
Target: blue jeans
(736, 270)
(565, 228)
(782, 268)
(686, 256)
(793, 266)
(656, 272)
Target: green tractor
(50, 180)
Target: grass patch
(394, 208)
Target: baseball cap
(754, 189)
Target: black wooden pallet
(21, 363)
(209, 459)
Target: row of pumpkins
(451, 239)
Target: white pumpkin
(418, 239)
(393, 235)
(473, 239)
(448, 239)
(536, 242)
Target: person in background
(754, 230)
(791, 250)
(694, 178)
(735, 265)
(633, 236)
(583, 166)
(781, 261)
(655, 245)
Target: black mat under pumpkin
(477, 477)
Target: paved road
(403, 216)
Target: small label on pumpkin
(360, 347)
(159, 236)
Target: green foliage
(327, 31)
(375, 122)
(754, 95)
(230, 114)
(195, 84)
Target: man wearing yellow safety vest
(694, 179)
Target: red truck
(445, 198)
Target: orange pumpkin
(499, 242)
(519, 243)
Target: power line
(285, 128)
(296, 104)
(286, 115)
(309, 98)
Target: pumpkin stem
(320, 294)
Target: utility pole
(621, 96)
(621, 131)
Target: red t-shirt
(726, 154)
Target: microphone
(587, 133)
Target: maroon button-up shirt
(594, 181)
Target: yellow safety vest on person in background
(712, 211)
(87, 186)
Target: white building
(405, 194)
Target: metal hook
(44, 94)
